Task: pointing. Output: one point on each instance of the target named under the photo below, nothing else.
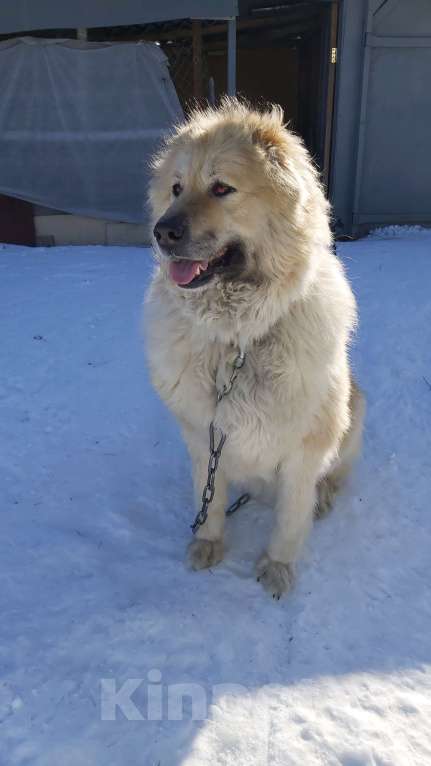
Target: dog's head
(232, 194)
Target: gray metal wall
(381, 157)
(26, 15)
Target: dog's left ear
(269, 134)
(285, 153)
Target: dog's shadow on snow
(356, 606)
(356, 590)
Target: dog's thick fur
(294, 417)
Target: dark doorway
(286, 55)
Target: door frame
(333, 27)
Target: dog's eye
(220, 189)
(176, 190)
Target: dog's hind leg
(329, 484)
(327, 488)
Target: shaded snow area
(96, 502)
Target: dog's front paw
(204, 553)
(276, 577)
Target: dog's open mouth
(187, 273)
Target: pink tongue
(182, 272)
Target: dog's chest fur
(189, 385)
(257, 415)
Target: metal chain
(209, 489)
(237, 504)
(215, 452)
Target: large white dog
(247, 277)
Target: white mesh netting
(79, 122)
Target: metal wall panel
(393, 175)
(396, 172)
(27, 15)
(402, 17)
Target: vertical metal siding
(347, 104)
(393, 173)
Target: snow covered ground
(95, 506)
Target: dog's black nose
(169, 231)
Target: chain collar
(215, 452)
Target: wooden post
(231, 57)
(197, 59)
